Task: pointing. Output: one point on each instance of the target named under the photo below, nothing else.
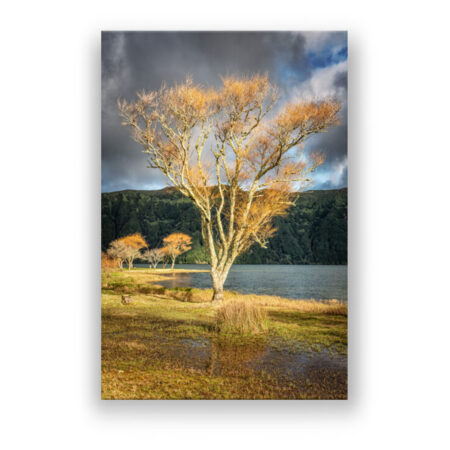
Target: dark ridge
(314, 231)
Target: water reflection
(226, 357)
(320, 374)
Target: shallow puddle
(322, 372)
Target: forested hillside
(314, 232)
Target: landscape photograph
(224, 215)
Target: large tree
(236, 156)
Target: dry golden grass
(332, 307)
(241, 316)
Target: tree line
(129, 248)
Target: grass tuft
(241, 317)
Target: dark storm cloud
(340, 80)
(132, 61)
(333, 174)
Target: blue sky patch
(327, 57)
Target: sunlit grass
(142, 343)
(242, 317)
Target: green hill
(314, 232)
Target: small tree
(134, 243)
(232, 154)
(117, 250)
(154, 256)
(176, 244)
(127, 249)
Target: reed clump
(241, 317)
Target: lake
(291, 281)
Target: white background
(399, 232)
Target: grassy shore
(166, 344)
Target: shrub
(149, 290)
(108, 263)
(191, 295)
(241, 317)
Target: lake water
(291, 281)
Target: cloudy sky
(303, 65)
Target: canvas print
(224, 215)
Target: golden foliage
(177, 243)
(126, 249)
(135, 241)
(246, 177)
(308, 117)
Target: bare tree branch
(248, 177)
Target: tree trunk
(218, 281)
(217, 294)
(173, 263)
